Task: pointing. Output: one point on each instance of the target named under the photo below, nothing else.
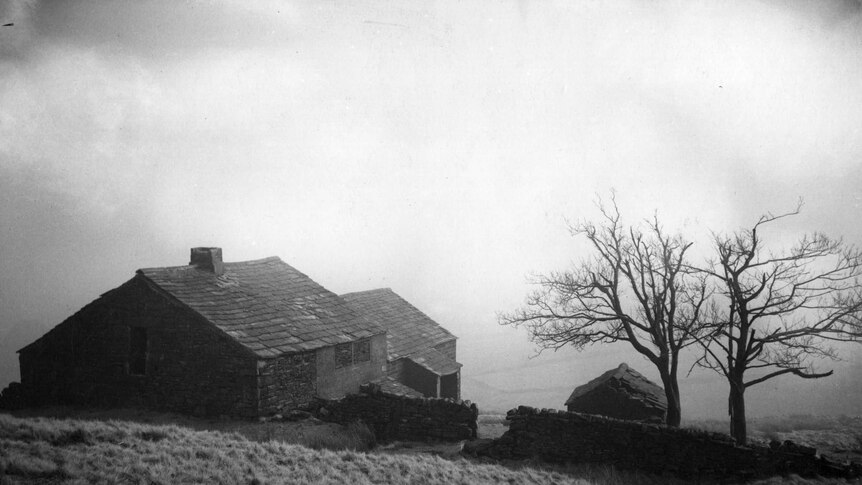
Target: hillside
(104, 447)
(39, 450)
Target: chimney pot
(208, 259)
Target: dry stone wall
(559, 436)
(404, 418)
(287, 382)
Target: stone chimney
(208, 259)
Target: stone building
(421, 353)
(247, 338)
(621, 393)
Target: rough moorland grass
(786, 424)
(45, 450)
(39, 450)
(839, 437)
(311, 433)
(492, 425)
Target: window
(137, 351)
(352, 353)
(343, 355)
(362, 351)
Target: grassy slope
(838, 437)
(40, 450)
(109, 448)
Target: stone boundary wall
(395, 417)
(560, 436)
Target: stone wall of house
(189, 366)
(450, 386)
(560, 436)
(334, 381)
(395, 369)
(405, 418)
(287, 382)
(420, 378)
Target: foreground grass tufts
(357, 437)
(39, 450)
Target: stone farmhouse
(248, 338)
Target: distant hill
(12, 338)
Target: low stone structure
(621, 393)
(401, 417)
(559, 436)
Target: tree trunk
(671, 392)
(737, 412)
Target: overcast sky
(436, 148)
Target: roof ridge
(261, 260)
(366, 292)
(232, 263)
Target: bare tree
(636, 289)
(775, 314)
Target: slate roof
(410, 330)
(628, 378)
(390, 385)
(266, 305)
(435, 361)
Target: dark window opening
(362, 351)
(137, 351)
(352, 353)
(343, 355)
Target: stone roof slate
(266, 305)
(630, 378)
(390, 385)
(435, 361)
(409, 330)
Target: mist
(436, 148)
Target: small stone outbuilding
(247, 338)
(621, 393)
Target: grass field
(47, 450)
(132, 446)
(839, 437)
(310, 433)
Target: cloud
(434, 148)
(16, 39)
(77, 118)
